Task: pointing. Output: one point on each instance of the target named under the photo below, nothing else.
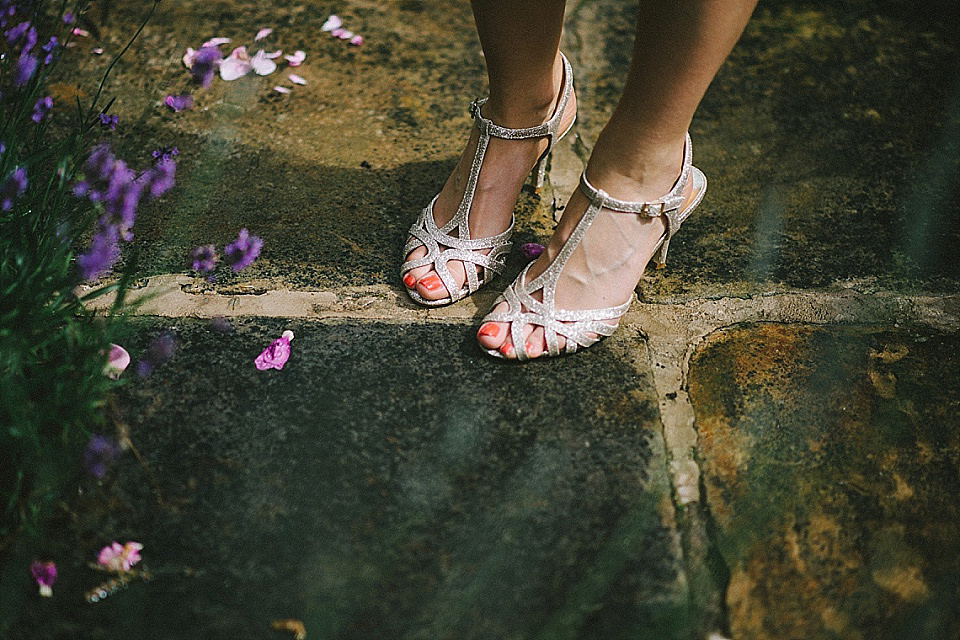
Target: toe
(492, 335)
(431, 287)
(535, 343)
(418, 272)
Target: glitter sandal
(583, 328)
(455, 235)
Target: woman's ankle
(635, 172)
(528, 104)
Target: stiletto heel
(455, 235)
(583, 328)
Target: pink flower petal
(83, 33)
(233, 68)
(531, 250)
(263, 33)
(276, 54)
(356, 40)
(343, 34)
(283, 90)
(296, 59)
(333, 22)
(277, 354)
(262, 65)
(215, 42)
(295, 79)
(97, 50)
(117, 361)
(188, 58)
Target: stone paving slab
(369, 493)
(829, 457)
(824, 164)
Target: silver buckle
(648, 209)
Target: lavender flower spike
(241, 253)
(100, 452)
(26, 67)
(41, 109)
(204, 258)
(12, 187)
(205, 63)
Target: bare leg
(678, 49)
(520, 42)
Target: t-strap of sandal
(583, 328)
(455, 234)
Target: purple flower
(121, 199)
(49, 48)
(100, 162)
(241, 253)
(15, 33)
(160, 178)
(69, 18)
(26, 66)
(12, 187)
(204, 258)
(180, 102)
(531, 250)
(205, 63)
(100, 452)
(277, 354)
(45, 573)
(162, 154)
(41, 109)
(102, 255)
(109, 123)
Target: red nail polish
(508, 350)
(409, 281)
(431, 282)
(489, 330)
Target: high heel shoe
(455, 235)
(584, 328)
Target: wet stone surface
(370, 494)
(830, 460)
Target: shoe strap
(549, 128)
(655, 208)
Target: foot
(506, 167)
(606, 266)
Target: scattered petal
(283, 90)
(277, 354)
(296, 59)
(234, 67)
(262, 65)
(274, 55)
(83, 33)
(333, 22)
(295, 79)
(531, 250)
(215, 42)
(343, 34)
(181, 102)
(356, 41)
(115, 557)
(117, 361)
(189, 57)
(263, 33)
(45, 573)
(97, 50)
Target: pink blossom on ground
(117, 361)
(263, 33)
(115, 557)
(277, 354)
(236, 65)
(343, 34)
(82, 33)
(215, 42)
(283, 90)
(274, 55)
(97, 50)
(295, 79)
(296, 59)
(356, 41)
(45, 573)
(262, 65)
(333, 22)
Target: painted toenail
(507, 350)
(431, 283)
(409, 281)
(489, 330)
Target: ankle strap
(548, 128)
(662, 206)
